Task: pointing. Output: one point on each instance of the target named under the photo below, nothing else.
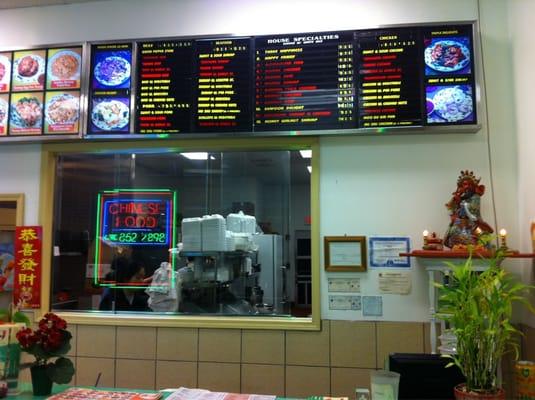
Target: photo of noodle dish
(26, 113)
(65, 64)
(29, 68)
(3, 111)
(451, 104)
(112, 71)
(447, 55)
(62, 109)
(110, 114)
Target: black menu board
(389, 84)
(223, 86)
(448, 54)
(109, 91)
(304, 81)
(164, 86)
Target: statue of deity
(466, 224)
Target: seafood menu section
(109, 91)
(389, 88)
(304, 81)
(223, 80)
(449, 75)
(40, 92)
(164, 86)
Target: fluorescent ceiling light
(196, 156)
(306, 153)
(309, 167)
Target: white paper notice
(372, 306)
(345, 254)
(349, 285)
(395, 282)
(344, 303)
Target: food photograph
(4, 108)
(447, 56)
(63, 68)
(29, 70)
(112, 69)
(110, 115)
(62, 112)
(26, 113)
(449, 104)
(5, 71)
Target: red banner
(27, 280)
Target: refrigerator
(272, 271)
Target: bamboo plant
(479, 307)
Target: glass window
(178, 233)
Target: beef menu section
(304, 81)
(346, 80)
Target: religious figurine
(466, 224)
(432, 242)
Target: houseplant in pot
(48, 344)
(479, 307)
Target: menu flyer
(5, 72)
(26, 117)
(109, 106)
(63, 68)
(62, 112)
(165, 86)
(28, 70)
(223, 86)
(304, 81)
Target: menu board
(164, 86)
(304, 81)
(109, 104)
(223, 86)
(449, 75)
(32, 97)
(389, 70)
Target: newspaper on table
(202, 394)
(98, 394)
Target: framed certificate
(345, 253)
(384, 252)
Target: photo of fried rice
(27, 113)
(65, 65)
(453, 103)
(62, 109)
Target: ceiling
(7, 4)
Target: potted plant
(51, 340)
(479, 307)
(11, 321)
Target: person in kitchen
(126, 297)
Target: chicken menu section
(223, 80)
(389, 88)
(164, 86)
(304, 81)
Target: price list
(304, 81)
(164, 87)
(223, 81)
(389, 78)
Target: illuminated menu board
(449, 75)
(109, 94)
(40, 91)
(389, 84)
(164, 86)
(304, 81)
(223, 86)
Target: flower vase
(41, 382)
(10, 355)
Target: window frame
(49, 155)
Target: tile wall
(333, 361)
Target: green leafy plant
(479, 307)
(13, 315)
(51, 340)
